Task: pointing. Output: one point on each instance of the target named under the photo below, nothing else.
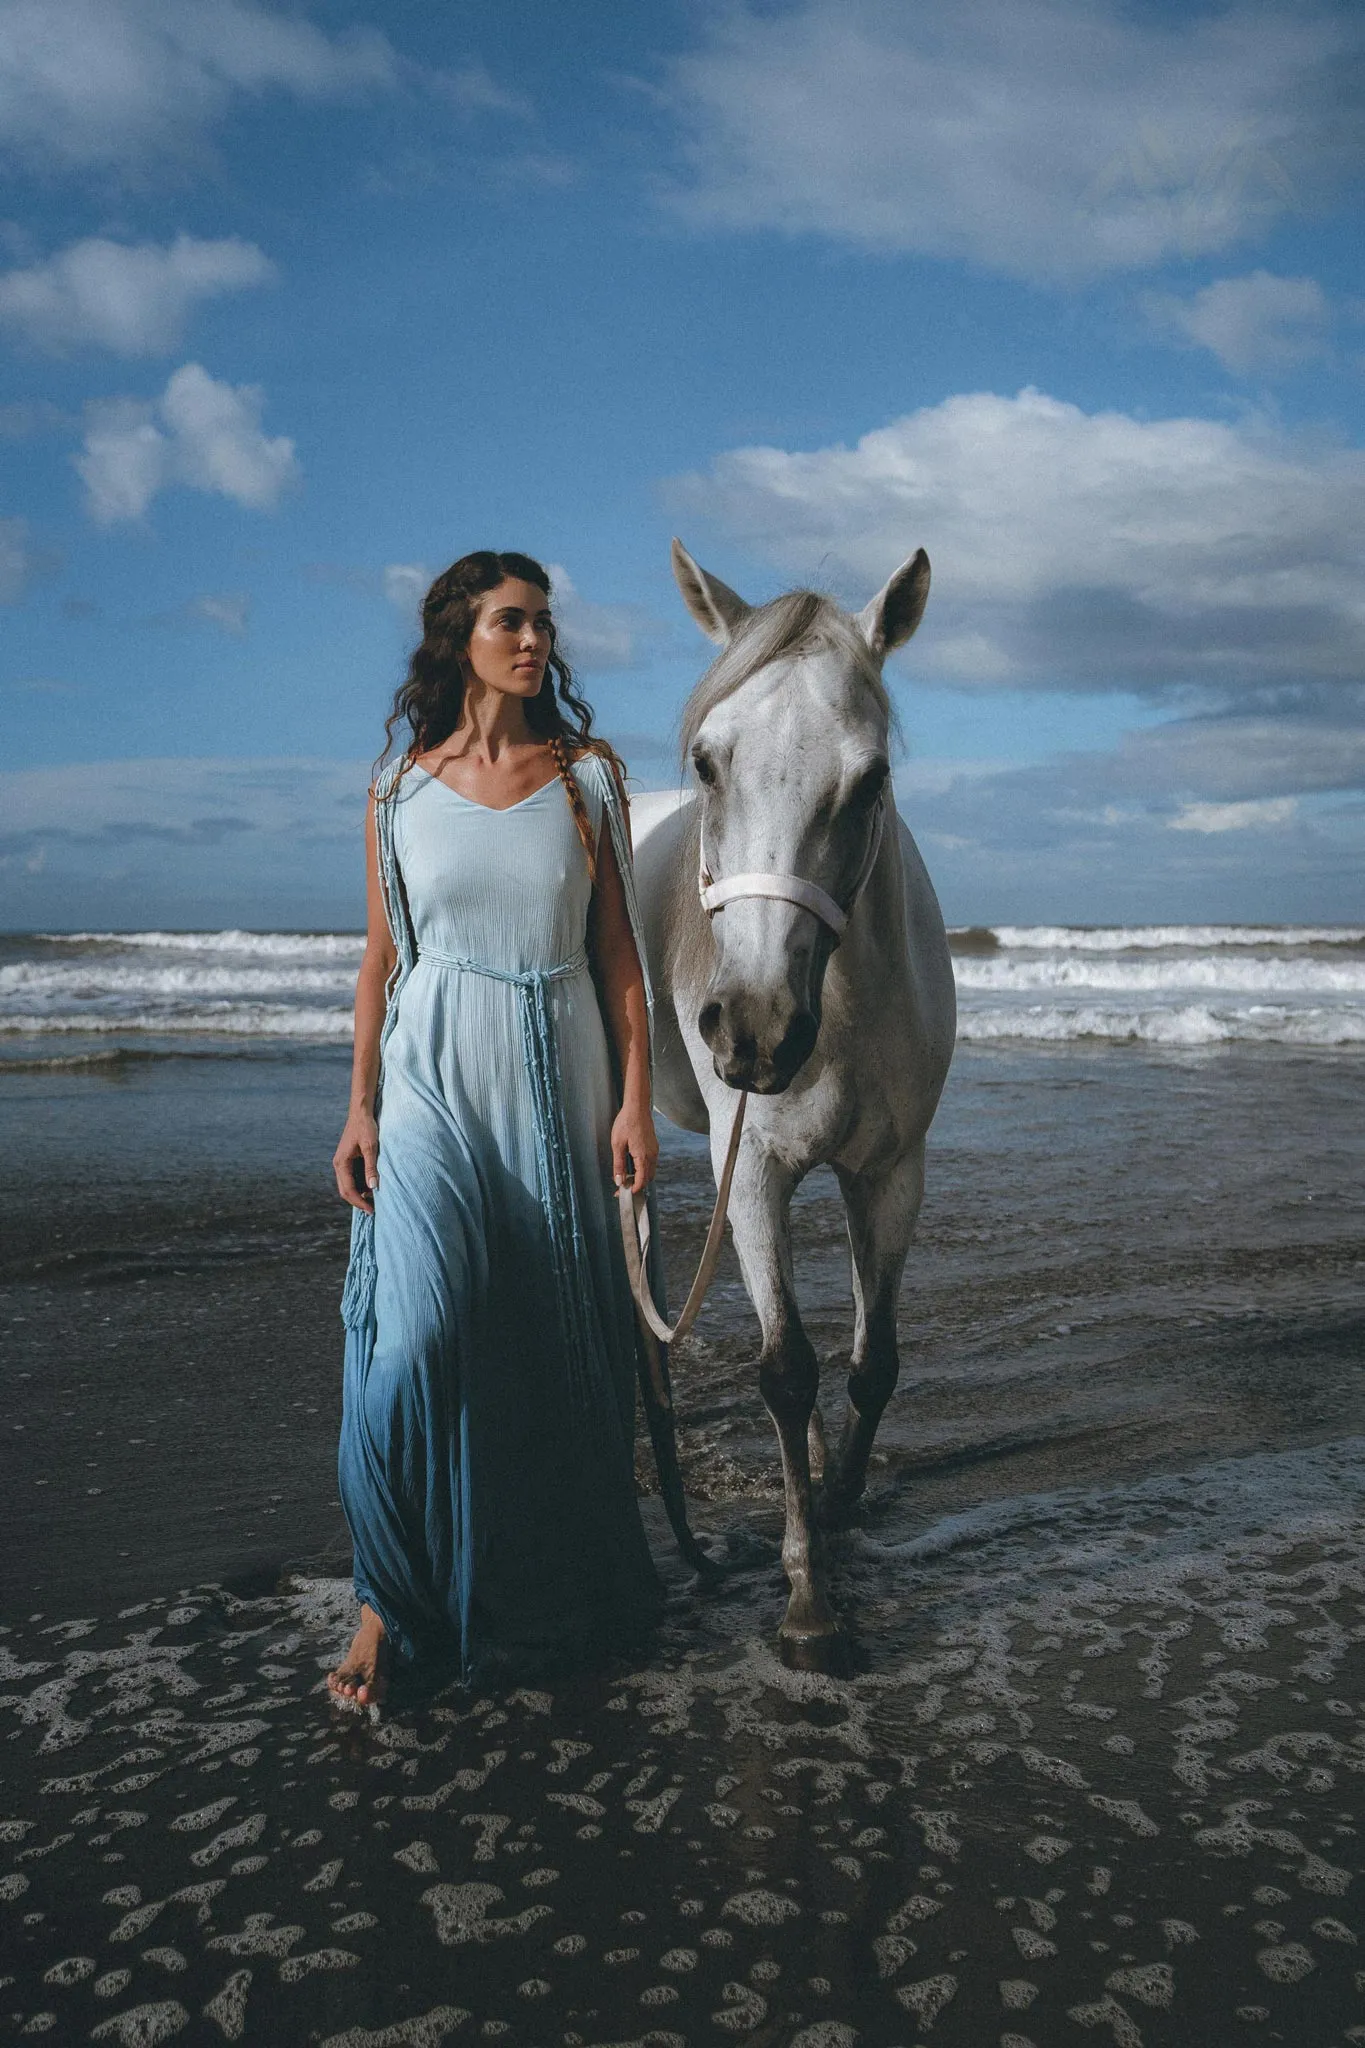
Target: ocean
(87, 996)
(1098, 1765)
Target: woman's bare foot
(363, 1673)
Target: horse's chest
(831, 1115)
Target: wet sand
(1091, 1779)
(1098, 1774)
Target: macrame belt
(554, 1161)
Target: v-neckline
(494, 810)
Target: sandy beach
(1097, 1774)
(1099, 1784)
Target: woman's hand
(356, 1161)
(634, 1143)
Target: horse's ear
(717, 609)
(897, 609)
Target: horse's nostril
(708, 1021)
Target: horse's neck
(691, 948)
(873, 952)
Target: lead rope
(635, 1233)
(632, 1207)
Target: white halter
(789, 888)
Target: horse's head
(787, 735)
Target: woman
(486, 1460)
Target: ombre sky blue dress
(486, 1459)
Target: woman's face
(510, 643)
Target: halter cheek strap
(789, 888)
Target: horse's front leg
(881, 1221)
(788, 1377)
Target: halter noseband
(789, 888)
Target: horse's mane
(798, 622)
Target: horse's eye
(870, 785)
(705, 767)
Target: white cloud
(124, 462)
(401, 584)
(223, 611)
(1237, 759)
(114, 83)
(1202, 818)
(972, 656)
(173, 798)
(16, 562)
(217, 439)
(1260, 322)
(405, 585)
(131, 299)
(1277, 810)
(182, 842)
(1089, 550)
(1208, 776)
(1043, 138)
(199, 433)
(934, 776)
(601, 636)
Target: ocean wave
(1030, 937)
(1172, 985)
(269, 945)
(1188, 1024)
(1060, 938)
(1233, 974)
(91, 980)
(104, 1061)
(95, 982)
(230, 1020)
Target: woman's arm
(356, 1160)
(623, 992)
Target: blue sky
(297, 304)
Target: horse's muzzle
(745, 1057)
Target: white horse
(844, 1040)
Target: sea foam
(1179, 986)
(1121, 938)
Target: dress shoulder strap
(391, 879)
(613, 804)
(387, 780)
(357, 1300)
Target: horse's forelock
(798, 622)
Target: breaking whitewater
(1171, 985)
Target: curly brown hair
(431, 696)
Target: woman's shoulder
(598, 769)
(394, 781)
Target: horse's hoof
(709, 1568)
(828, 1653)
